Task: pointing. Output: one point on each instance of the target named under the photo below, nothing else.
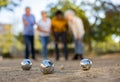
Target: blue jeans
(29, 44)
(63, 37)
(78, 47)
(44, 41)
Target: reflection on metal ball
(26, 64)
(47, 67)
(85, 64)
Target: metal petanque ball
(85, 64)
(47, 67)
(26, 64)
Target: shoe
(75, 57)
(81, 57)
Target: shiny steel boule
(26, 64)
(85, 64)
(47, 67)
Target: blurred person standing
(59, 30)
(29, 22)
(76, 25)
(44, 27)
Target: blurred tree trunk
(89, 40)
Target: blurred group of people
(58, 27)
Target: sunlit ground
(104, 69)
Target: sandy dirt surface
(104, 69)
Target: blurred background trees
(7, 38)
(103, 27)
(9, 4)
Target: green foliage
(6, 41)
(108, 26)
(5, 4)
(114, 19)
(38, 45)
(108, 46)
(20, 37)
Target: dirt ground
(104, 69)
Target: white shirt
(76, 25)
(44, 25)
